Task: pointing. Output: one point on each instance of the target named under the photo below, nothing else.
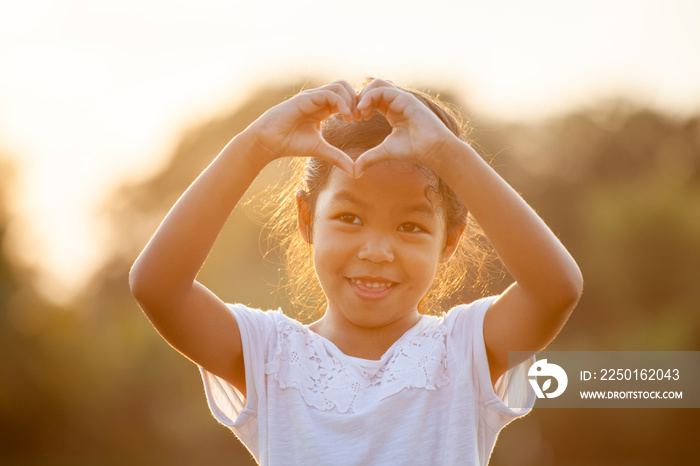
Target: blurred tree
(621, 187)
(36, 388)
(95, 384)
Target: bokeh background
(109, 109)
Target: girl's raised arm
(548, 283)
(163, 278)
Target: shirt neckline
(331, 347)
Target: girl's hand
(292, 128)
(418, 134)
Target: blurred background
(109, 109)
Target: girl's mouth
(371, 288)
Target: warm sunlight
(95, 93)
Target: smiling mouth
(376, 284)
(371, 288)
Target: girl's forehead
(394, 182)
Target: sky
(97, 92)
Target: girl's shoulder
(287, 329)
(290, 331)
(467, 315)
(257, 324)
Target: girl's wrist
(450, 160)
(249, 146)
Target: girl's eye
(349, 218)
(410, 228)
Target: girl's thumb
(337, 157)
(370, 157)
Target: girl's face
(377, 243)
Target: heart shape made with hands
(416, 129)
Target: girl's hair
(470, 261)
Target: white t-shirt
(428, 400)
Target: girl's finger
(371, 157)
(322, 103)
(383, 99)
(351, 94)
(375, 83)
(337, 157)
(345, 91)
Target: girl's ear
(451, 242)
(304, 218)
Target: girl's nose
(376, 249)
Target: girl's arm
(548, 283)
(163, 278)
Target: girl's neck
(362, 342)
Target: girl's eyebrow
(423, 208)
(345, 195)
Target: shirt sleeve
(512, 396)
(227, 403)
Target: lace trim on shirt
(325, 383)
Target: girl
(375, 380)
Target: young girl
(375, 380)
